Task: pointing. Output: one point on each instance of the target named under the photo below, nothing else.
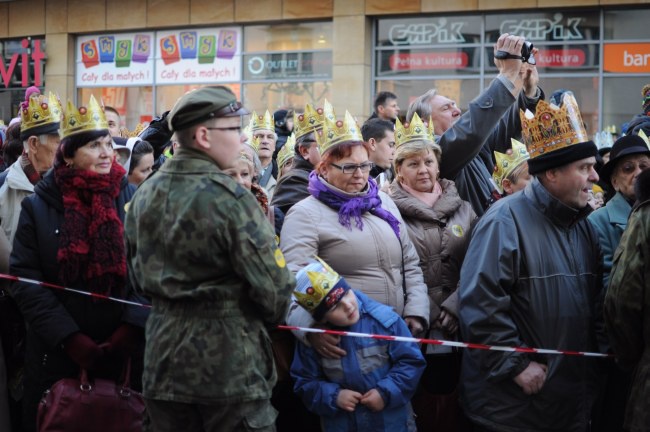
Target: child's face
(345, 313)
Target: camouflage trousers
(168, 416)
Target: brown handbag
(99, 405)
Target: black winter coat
(53, 315)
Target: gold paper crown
(321, 283)
(328, 110)
(338, 131)
(552, 128)
(40, 112)
(644, 137)
(255, 143)
(84, 119)
(506, 163)
(309, 121)
(287, 151)
(416, 130)
(259, 122)
(137, 131)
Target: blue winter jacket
(393, 368)
(610, 222)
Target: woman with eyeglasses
(439, 223)
(357, 229)
(629, 156)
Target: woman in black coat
(70, 233)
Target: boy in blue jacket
(370, 388)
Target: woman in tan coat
(358, 230)
(439, 224)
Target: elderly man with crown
(70, 233)
(292, 187)
(532, 278)
(263, 139)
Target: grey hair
(421, 105)
(42, 138)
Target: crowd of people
(480, 226)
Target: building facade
(139, 56)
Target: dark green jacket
(199, 245)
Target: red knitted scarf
(261, 196)
(91, 245)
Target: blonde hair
(414, 148)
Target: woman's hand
(326, 345)
(448, 322)
(416, 325)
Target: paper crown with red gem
(506, 163)
(85, 119)
(262, 122)
(41, 116)
(415, 130)
(555, 136)
(338, 131)
(312, 120)
(319, 288)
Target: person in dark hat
(283, 127)
(531, 277)
(641, 121)
(630, 156)
(201, 249)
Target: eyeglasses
(233, 128)
(351, 168)
(629, 167)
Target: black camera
(526, 54)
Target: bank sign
(193, 56)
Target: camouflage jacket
(201, 248)
(627, 313)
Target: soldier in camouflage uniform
(627, 307)
(200, 247)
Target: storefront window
(23, 66)
(286, 66)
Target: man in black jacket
(292, 187)
(532, 277)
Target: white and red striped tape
(62, 288)
(446, 343)
(336, 332)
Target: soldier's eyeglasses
(233, 128)
(351, 168)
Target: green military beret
(202, 104)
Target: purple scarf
(352, 207)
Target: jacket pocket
(372, 357)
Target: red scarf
(91, 244)
(261, 196)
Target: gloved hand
(82, 350)
(124, 340)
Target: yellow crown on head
(328, 110)
(40, 112)
(259, 122)
(287, 151)
(320, 283)
(416, 130)
(552, 128)
(255, 143)
(644, 137)
(506, 163)
(84, 119)
(309, 121)
(338, 131)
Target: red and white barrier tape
(446, 343)
(62, 288)
(336, 332)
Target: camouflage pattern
(627, 314)
(201, 248)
